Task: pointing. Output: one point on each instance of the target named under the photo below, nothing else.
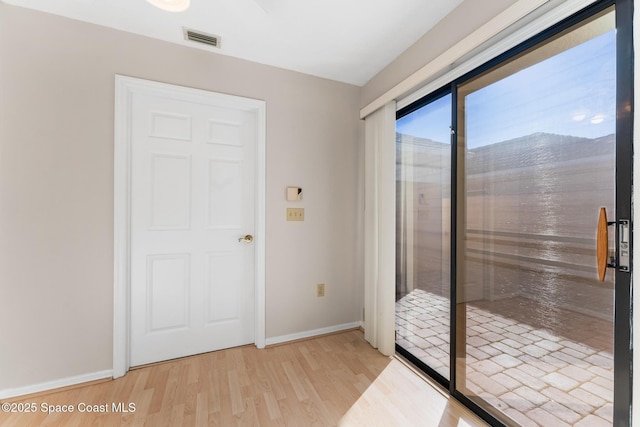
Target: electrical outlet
(320, 289)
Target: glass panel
(423, 145)
(537, 160)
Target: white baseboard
(312, 333)
(52, 385)
(79, 379)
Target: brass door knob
(247, 239)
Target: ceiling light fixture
(171, 5)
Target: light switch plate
(295, 214)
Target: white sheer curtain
(380, 223)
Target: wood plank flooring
(334, 380)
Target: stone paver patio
(534, 375)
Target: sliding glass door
(502, 180)
(538, 139)
(423, 212)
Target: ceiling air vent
(200, 37)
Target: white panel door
(192, 199)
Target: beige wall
(462, 21)
(56, 188)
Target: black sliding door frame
(624, 178)
(434, 96)
(624, 169)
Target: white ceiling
(344, 40)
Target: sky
(572, 93)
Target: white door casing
(183, 282)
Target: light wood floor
(332, 380)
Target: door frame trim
(125, 87)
